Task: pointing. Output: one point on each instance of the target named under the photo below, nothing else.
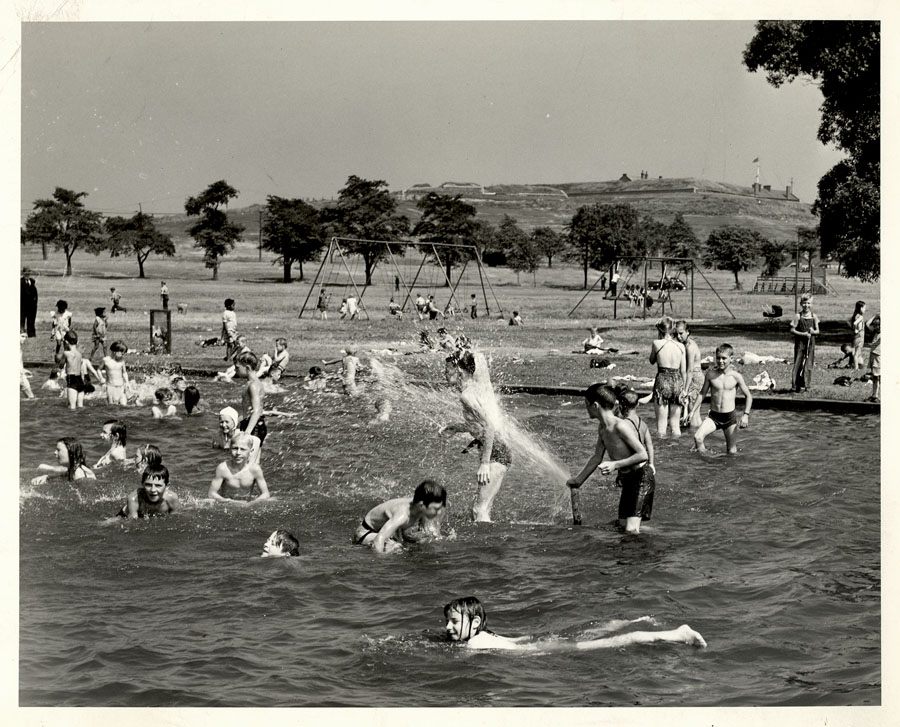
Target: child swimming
(163, 407)
(153, 498)
(113, 432)
(70, 459)
(281, 544)
(147, 455)
(385, 526)
(240, 478)
(466, 625)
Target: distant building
(624, 178)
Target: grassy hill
(705, 205)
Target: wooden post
(576, 506)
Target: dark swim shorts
(667, 387)
(260, 430)
(724, 419)
(638, 487)
(75, 381)
(499, 452)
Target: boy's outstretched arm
(387, 531)
(588, 469)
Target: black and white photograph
(452, 360)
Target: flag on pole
(756, 160)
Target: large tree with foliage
(843, 59)
(292, 231)
(137, 236)
(732, 248)
(521, 253)
(772, 254)
(365, 212)
(447, 220)
(681, 240)
(213, 233)
(603, 233)
(549, 243)
(65, 223)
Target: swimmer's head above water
(465, 618)
(281, 544)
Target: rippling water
(773, 555)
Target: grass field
(537, 354)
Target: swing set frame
(432, 249)
(636, 262)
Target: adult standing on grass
(858, 325)
(669, 357)
(804, 328)
(28, 303)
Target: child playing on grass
(153, 498)
(466, 624)
(723, 382)
(874, 326)
(281, 544)
(846, 361)
(620, 440)
(98, 334)
(240, 478)
(273, 367)
(117, 376)
(395, 310)
(115, 301)
(516, 319)
(163, 407)
(114, 432)
(592, 343)
(481, 419)
(229, 329)
(70, 459)
(385, 526)
(76, 368)
(668, 354)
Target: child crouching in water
(466, 624)
(385, 526)
(153, 497)
(241, 478)
(163, 407)
(113, 432)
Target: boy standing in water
(723, 381)
(620, 440)
(76, 366)
(153, 497)
(386, 525)
(254, 423)
(117, 376)
(98, 334)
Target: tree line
(365, 217)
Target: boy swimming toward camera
(387, 525)
(466, 625)
(153, 498)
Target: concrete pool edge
(760, 401)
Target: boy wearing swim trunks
(619, 439)
(722, 382)
(116, 375)
(246, 365)
(385, 526)
(76, 366)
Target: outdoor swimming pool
(773, 555)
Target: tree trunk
(287, 271)
(69, 261)
(549, 261)
(44, 249)
(449, 266)
(301, 270)
(140, 267)
(737, 282)
(369, 264)
(585, 269)
(215, 269)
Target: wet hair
(463, 360)
(240, 437)
(287, 542)
(283, 341)
(118, 346)
(150, 454)
(429, 491)
(682, 324)
(116, 430)
(468, 607)
(71, 338)
(846, 348)
(61, 305)
(163, 395)
(76, 455)
(601, 394)
(627, 397)
(725, 348)
(99, 311)
(248, 359)
(229, 303)
(155, 470)
(665, 324)
(191, 398)
(315, 371)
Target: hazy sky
(152, 113)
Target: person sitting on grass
(387, 525)
(466, 625)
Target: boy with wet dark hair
(153, 497)
(385, 526)
(619, 439)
